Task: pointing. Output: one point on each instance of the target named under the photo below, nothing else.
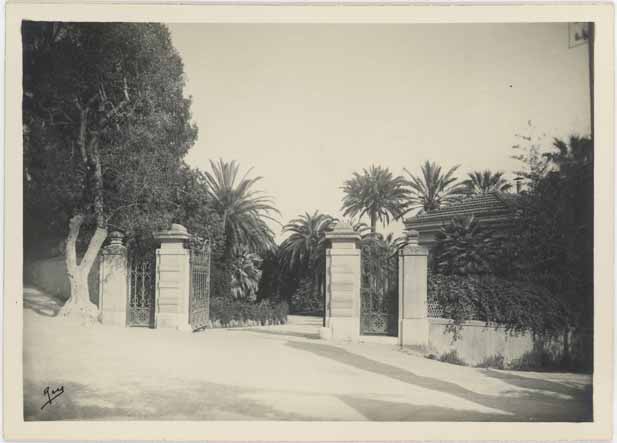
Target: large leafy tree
(303, 252)
(433, 188)
(555, 225)
(484, 182)
(376, 193)
(106, 125)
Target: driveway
(267, 373)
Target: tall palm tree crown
(433, 188)
(484, 182)
(375, 193)
(568, 156)
(305, 247)
(303, 253)
(243, 210)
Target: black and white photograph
(308, 222)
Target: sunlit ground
(267, 373)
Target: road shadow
(182, 400)
(524, 405)
(41, 302)
(309, 335)
(382, 410)
(536, 384)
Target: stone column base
(167, 320)
(342, 329)
(414, 332)
(325, 333)
(172, 320)
(113, 318)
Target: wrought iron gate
(199, 303)
(379, 289)
(142, 290)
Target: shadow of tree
(525, 406)
(537, 384)
(41, 303)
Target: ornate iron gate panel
(142, 290)
(199, 303)
(379, 289)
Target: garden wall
(478, 343)
(50, 275)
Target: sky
(306, 105)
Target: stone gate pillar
(342, 284)
(413, 278)
(113, 281)
(172, 279)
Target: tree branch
(70, 249)
(81, 138)
(120, 208)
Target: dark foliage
(542, 258)
(516, 305)
(106, 125)
(306, 299)
(452, 358)
(554, 237)
(227, 310)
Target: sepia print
(299, 222)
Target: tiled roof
(493, 205)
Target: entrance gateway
(164, 287)
(369, 293)
(142, 289)
(199, 303)
(379, 288)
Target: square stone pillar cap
(115, 246)
(342, 232)
(177, 233)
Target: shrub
(306, 299)
(452, 358)
(242, 312)
(536, 359)
(517, 305)
(495, 361)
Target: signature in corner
(52, 395)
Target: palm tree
(376, 193)
(464, 248)
(434, 188)
(245, 274)
(243, 210)
(305, 247)
(484, 182)
(304, 251)
(568, 156)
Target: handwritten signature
(52, 395)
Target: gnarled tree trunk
(78, 305)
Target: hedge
(227, 312)
(517, 305)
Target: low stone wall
(50, 275)
(478, 342)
